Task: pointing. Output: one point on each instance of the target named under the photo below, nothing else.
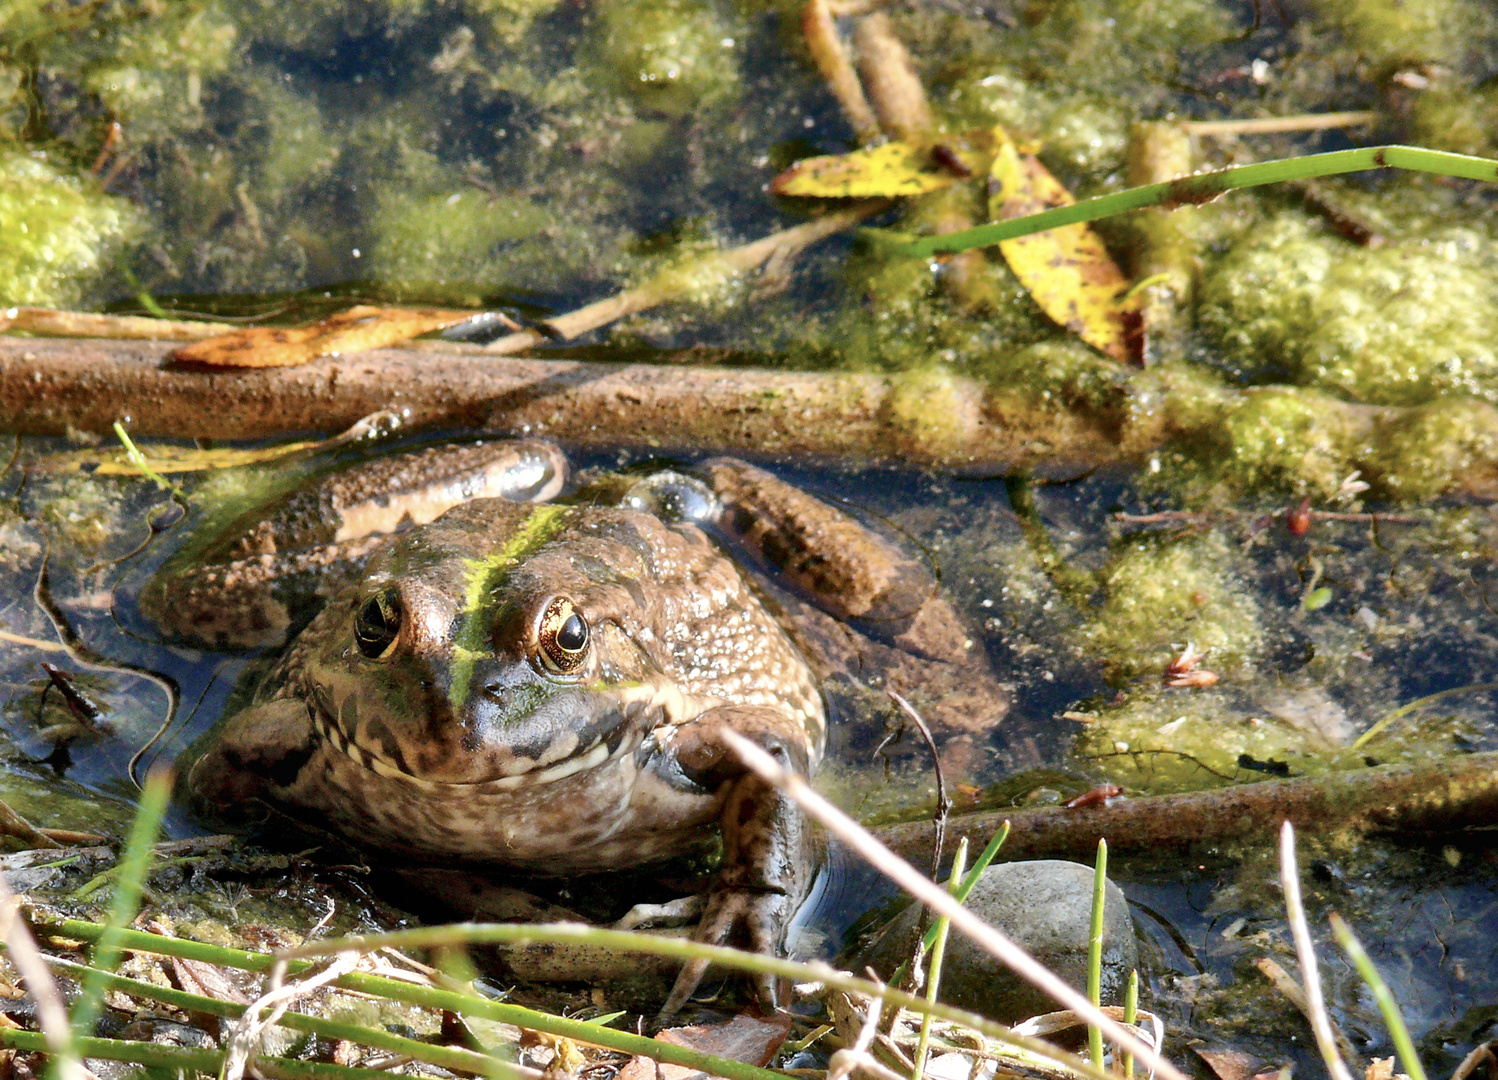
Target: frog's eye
(563, 637)
(377, 624)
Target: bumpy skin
(431, 709)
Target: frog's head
(499, 644)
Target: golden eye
(562, 637)
(377, 624)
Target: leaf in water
(166, 459)
(359, 328)
(1067, 270)
(1317, 599)
(888, 171)
(744, 1038)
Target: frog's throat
(671, 707)
(485, 577)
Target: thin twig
(48, 323)
(826, 48)
(1275, 125)
(931, 894)
(943, 801)
(673, 283)
(1305, 951)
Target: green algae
(1160, 593)
(61, 233)
(1399, 325)
(1163, 740)
(1389, 33)
(669, 56)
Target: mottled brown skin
(476, 734)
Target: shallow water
(541, 155)
(1426, 910)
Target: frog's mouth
(638, 709)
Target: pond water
(282, 161)
(1410, 618)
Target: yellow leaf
(359, 328)
(888, 171)
(166, 459)
(1067, 270)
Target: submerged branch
(1444, 795)
(50, 386)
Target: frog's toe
(752, 919)
(676, 913)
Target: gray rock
(1046, 907)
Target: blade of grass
(139, 460)
(970, 879)
(135, 863)
(1393, 1018)
(1189, 190)
(1095, 950)
(938, 951)
(1305, 951)
(183, 1058)
(560, 933)
(1131, 1014)
(449, 1057)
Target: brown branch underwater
(1441, 796)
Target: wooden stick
(50, 385)
(1444, 795)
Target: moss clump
(60, 232)
(1422, 452)
(1284, 438)
(1390, 33)
(670, 56)
(1399, 325)
(931, 408)
(449, 236)
(1060, 372)
(1162, 593)
(1458, 119)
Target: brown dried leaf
(355, 330)
(207, 980)
(744, 1038)
(1229, 1064)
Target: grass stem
(1190, 190)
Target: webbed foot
(751, 919)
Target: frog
(551, 685)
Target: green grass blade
(138, 459)
(183, 1059)
(938, 951)
(1393, 1018)
(503, 1012)
(969, 879)
(1095, 950)
(135, 863)
(1191, 190)
(448, 1057)
(1131, 1014)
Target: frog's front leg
(768, 853)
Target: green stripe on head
(485, 577)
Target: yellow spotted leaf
(1067, 270)
(359, 328)
(889, 171)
